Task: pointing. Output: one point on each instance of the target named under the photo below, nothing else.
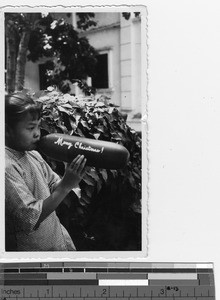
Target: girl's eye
(30, 128)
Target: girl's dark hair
(18, 105)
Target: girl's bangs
(35, 110)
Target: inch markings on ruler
(113, 292)
(91, 281)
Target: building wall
(123, 37)
(106, 38)
(130, 61)
(104, 19)
(32, 81)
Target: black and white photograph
(75, 105)
(110, 144)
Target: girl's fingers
(72, 163)
(81, 170)
(76, 162)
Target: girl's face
(24, 135)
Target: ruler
(106, 280)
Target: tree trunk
(21, 59)
(11, 52)
(23, 48)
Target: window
(101, 78)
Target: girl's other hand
(74, 173)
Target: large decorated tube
(100, 154)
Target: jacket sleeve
(20, 202)
(51, 177)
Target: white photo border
(76, 255)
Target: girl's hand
(74, 173)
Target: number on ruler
(104, 292)
(162, 291)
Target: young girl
(32, 190)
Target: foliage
(86, 20)
(105, 214)
(71, 57)
(127, 15)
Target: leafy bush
(108, 214)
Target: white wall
(105, 39)
(137, 63)
(32, 76)
(130, 62)
(106, 18)
(124, 41)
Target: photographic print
(75, 87)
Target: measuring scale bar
(107, 292)
(128, 281)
